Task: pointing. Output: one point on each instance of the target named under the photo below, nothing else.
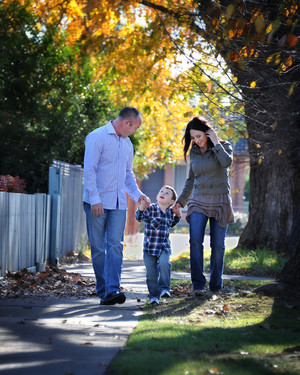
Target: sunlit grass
(237, 333)
(259, 262)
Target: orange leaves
(291, 40)
(234, 56)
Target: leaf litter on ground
(54, 282)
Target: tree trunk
(273, 120)
(273, 125)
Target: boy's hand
(144, 202)
(176, 210)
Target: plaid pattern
(157, 224)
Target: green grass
(260, 262)
(237, 333)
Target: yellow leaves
(274, 126)
(253, 84)
(258, 145)
(279, 152)
(234, 79)
(268, 29)
(229, 132)
(231, 33)
(260, 159)
(259, 23)
(291, 90)
(221, 121)
(230, 10)
(75, 8)
(274, 26)
(269, 59)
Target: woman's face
(199, 137)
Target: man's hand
(97, 209)
(144, 202)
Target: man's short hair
(129, 113)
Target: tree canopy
(230, 60)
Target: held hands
(213, 136)
(144, 202)
(177, 209)
(97, 209)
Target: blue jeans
(106, 236)
(158, 273)
(217, 243)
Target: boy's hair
(174, 194)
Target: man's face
(131, 126)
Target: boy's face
(165, 197)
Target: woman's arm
(187, 189)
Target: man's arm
(92, 156)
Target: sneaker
(153, 301)
(113, 298)
(165, 294)
(199, 292)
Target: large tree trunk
(273, 124)
(273, 121)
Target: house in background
(176, 177)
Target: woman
(207, 192)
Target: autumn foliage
(12, 184)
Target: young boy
(158, 218)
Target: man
(107, 176)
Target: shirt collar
(111, 129)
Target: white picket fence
(35, 229)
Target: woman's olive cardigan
(208, 174)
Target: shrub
(12, 184)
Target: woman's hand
(212, 135)
(176, 209)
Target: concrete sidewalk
(70, 336)
(53, 336)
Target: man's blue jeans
(158, 273)
(106, 235)
(198, 223)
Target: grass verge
(238, 332)
(260, 262)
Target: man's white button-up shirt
(108, 171)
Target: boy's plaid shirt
(157, 224)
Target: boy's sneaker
(199, 292)
(165, 294)
(154, 301)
